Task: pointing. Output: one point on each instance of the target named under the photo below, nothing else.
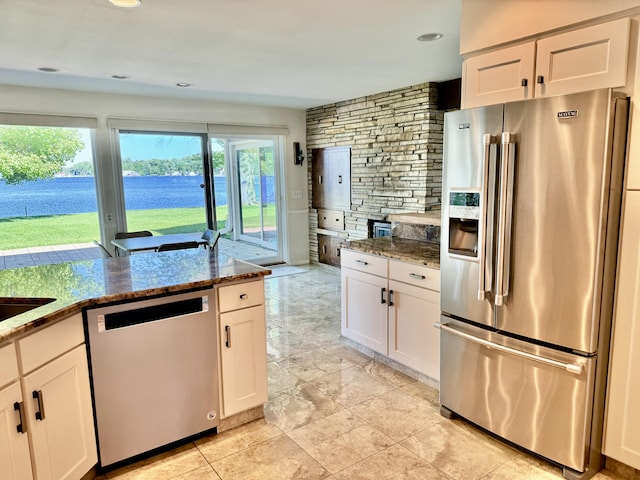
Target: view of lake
(62, 195)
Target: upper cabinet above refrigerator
(586, 59)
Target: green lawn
(21, 232)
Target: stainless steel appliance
(153, 371)
(531, 207)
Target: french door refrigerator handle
(486, 224)
(507, 164)
(569, 367)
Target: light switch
(296, 194)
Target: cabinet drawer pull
(382, 292)
(37, 394)
(391, 298)
(524, 82)
(227, 331)
(540, 79)
(22, 426)
(362, 262)
(243, 296)
(340, 179)
(417, 277)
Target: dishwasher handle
(137, 316)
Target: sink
(15, 306)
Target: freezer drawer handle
(22, 426)
(569, 367)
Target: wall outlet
(296, 194)
(109, 218)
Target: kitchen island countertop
(405, 249)
(80, 284)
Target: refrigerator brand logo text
(462, 126)
(568, 114)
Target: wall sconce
(298, 156)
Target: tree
(32, 153)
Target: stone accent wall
(396, 154)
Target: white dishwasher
(154, 372)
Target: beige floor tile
(202, 473)
(314, 364)
(403, 415)
(278, 459)
(349, 354)
(525, 467)
(280, 378)
(394, 463)
(163, 466)
(423, 391)
(240, 438)
(458, 452)
(387, 374)
(298, 406)
(340, 440)
(350, 386)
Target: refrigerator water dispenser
(464, 217)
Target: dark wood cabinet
(329, 249)
(331, 178)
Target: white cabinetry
(622, 430)
(413, 310)
(391, 306)
(14, 443)
(243, 351)
(586, 59)
(54, 405)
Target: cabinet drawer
(414, 274)
(8, 364)
(331, 220)
(240, 295)
(363, 262)
(50, 342)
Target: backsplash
(413, 231)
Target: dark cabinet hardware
(417, 277)
(391, 298)
(524, 82)
(382, 292)
(37, 394)
(243, 296)
(22, 426)
(540, 79)
(362, 262)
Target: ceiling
(288, 53)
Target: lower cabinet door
(243, 354)
(60, 417)
(364, 309)
(15, 460)
(413, 339)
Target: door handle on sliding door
(507, 167)
(486, 221)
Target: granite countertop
(76, 285)
(408, 250)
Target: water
(63, 195)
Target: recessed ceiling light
(48, 69)
(121, 77)
(126, 3)
(184, 85)
(429, 37)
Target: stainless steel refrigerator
(531, 205)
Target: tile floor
(335, 414)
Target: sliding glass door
(164, 180)
(246, 196)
